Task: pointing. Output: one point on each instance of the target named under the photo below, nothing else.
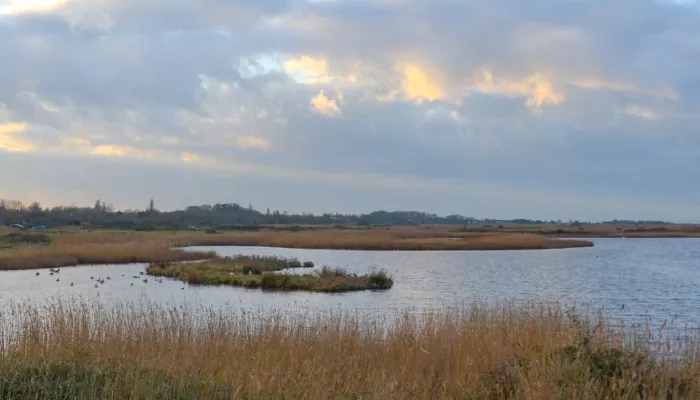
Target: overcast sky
(571, 109)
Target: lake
(654, 279)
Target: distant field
(584, 230)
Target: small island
(264, 272)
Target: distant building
(17, 226)
(40, 226)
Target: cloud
(567, 98)
(9, 141)
(641, 112)
(307, 69)
(664, 92)
(252, 142)
(324, 105)
(418, 85)
(109, 150)
(538, 90)
(16, 7)
(190, 157)
(9, 129)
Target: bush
(380, 280)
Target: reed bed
(104, 247)
(258, 272)
(77, 254)
(380, 239)
(90, 350)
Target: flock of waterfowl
(99, 280)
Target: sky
(544, 109)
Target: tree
(98, 205)
(35, 207)
(13, 205)
(151, 206)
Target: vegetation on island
(90, 350)
(261, 272)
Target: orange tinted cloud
(324, 105)
(8, 140)
(418, 84)
(537, 88)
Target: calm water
(653, 278)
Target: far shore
(71, 247)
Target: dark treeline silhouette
(227, 215)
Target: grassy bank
(89, 351)
(257, 272)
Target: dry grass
(110, 247)
(86, 350)
(75, 254)
(603, 230)
(381, 239)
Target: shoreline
(99, 247)
(583, 244)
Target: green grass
(259, 272)
(80, 379)
(17, 239)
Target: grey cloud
(513, 36)
(130, 73)
(81, 181)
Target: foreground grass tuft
(259, 272)
(90, 350)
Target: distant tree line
(226, 216)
